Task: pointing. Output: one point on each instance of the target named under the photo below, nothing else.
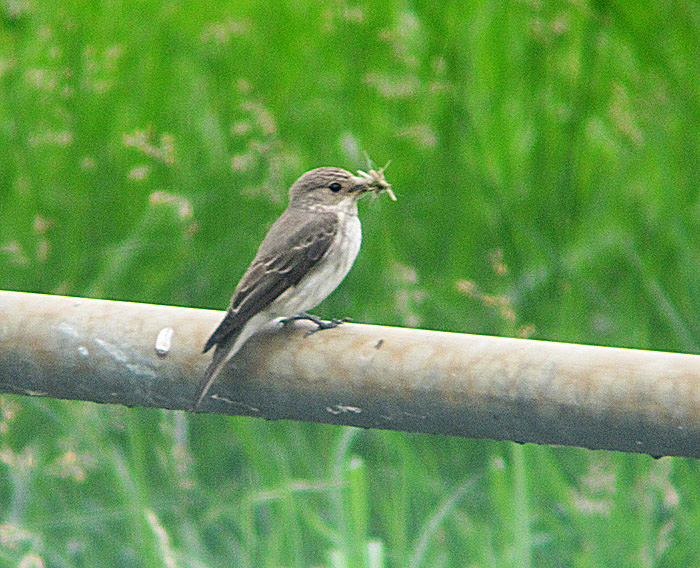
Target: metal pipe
(357, 375)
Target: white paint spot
(164, 341)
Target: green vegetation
(546, 160)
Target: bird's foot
(320, 323)
(327, 324)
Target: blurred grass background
(546, 160)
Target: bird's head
(329, 186)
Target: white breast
(330, 271)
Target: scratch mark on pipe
(412, 415)
(120, 357)
(235, 403)
(68, 329)
(389, 417)
(341, 409)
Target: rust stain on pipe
(359, 375)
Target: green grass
(546, 152)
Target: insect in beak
(376, 181)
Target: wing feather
(295, 243)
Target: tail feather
(230, 325)
(219, 360)
(225, 349)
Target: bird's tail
(226, 349)
(221, 356)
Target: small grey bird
(304, 256)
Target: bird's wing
(294, 244)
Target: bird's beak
(374, 181)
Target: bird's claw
(328, 324)
(320, 323)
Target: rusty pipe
(358, 375)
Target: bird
(305, 255)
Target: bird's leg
(321, 324)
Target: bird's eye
(335, 187)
